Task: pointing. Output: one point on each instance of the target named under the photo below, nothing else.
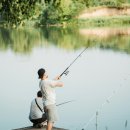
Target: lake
(98, 82)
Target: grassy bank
(105, 16)
(105, 21)
(89, 22)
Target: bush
(59, 12)
(16, 11)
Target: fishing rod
(64, 102)
(45, 120)
(65, 72)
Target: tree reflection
(24, 40)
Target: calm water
(99, 81)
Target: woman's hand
(57, 78)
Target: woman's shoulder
(48, 80)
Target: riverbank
(104, 16)
(102, 11)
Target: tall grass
(105, 21)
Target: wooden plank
(43, 128)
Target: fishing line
(102, 105)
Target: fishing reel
(66, 72)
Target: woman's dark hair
(39, 94)
(41, 73)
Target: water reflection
(24, 40)
(19, 40)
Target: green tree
(60, 11)
(16, 11)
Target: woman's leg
(49, 125)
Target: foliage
(112, 3)
(59, 11)
(15, 12)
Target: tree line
(18, 12)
